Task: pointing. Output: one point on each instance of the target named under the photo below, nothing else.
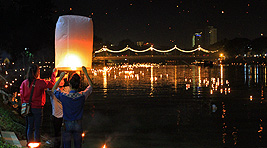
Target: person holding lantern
(57, 113)
(34, 119)
(73, 103)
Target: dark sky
(162, 21)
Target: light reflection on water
(157, 77)
(177, 106)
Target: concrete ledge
(11, 138)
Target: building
(197, 39)
(210, 35)
(204, 37)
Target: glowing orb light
(33, 145)
(73, 42)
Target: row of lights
(263, 64)
(23, 69)
(154, 49)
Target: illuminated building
(210, 35)
(204, 37)
(197, 39)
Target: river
(168, 106)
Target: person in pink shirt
(34, 120)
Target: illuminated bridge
(173, 55)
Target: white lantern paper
(73, 42)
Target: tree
(259, 45)
(27, 24)
(237, 46)
(98, 43)
(125, 42)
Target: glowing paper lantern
(73, 42)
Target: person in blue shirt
(73, 102)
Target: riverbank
(11, 120)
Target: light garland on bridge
(104, 48)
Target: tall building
(197, 39)
(210, 35)
(204, 37)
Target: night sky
(168, 22)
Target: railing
(104, 48)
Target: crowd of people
(67, 105)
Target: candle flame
(104, 146)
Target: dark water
(177, 106)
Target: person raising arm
(34, 120)
(73, 103)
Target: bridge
(173, 55)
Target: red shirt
(38, 97)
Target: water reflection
(245, 74)
(265, 76)
(249, 75)
(224, 134)
(151, 81)
(199, 76)
(193, 79)
(260, 131)
(175, 78)
(254, 74)
(221, 66)
(105, 81)
(212, 102)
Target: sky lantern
(73, 42)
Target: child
(57, 114)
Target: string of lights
(104, 48)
